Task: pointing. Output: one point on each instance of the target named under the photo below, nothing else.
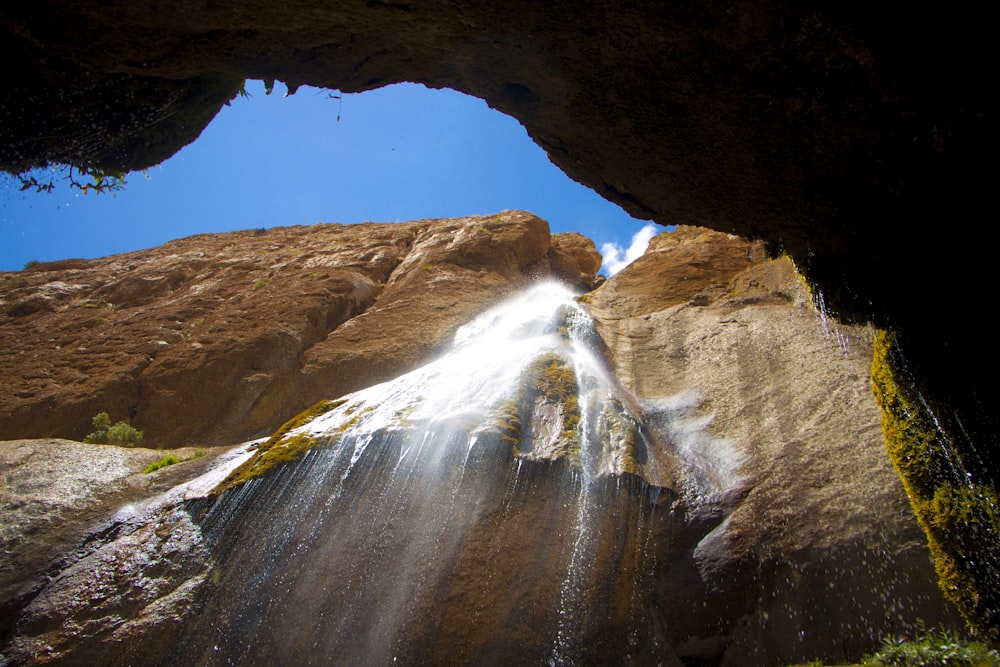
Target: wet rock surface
(55, 493)
(819, 555)
(847, 137)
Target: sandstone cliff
(213, 339)
(844, 136)
(821, 535)
(805, 549)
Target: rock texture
(805, 549)
(53, 493)
(847, 137)
(217, 338)
(821, 536)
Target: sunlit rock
(281, 318)
(622, 476)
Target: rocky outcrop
(58, 495)
(779, 533)
(846, 137)
(217, 338)
(820, 536)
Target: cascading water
(506, 503)
(480, 507)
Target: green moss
(621, 427)
(553, 381)
(552, 378)
(280, 448)
(507, 422)
(960, 515)
(354, 417)
(167, 460)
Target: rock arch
(851, 140)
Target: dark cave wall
(855, 140)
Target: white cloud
(616, 258)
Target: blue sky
(399, 153)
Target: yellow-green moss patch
(551, 380)
(507, 422)
(959, 515)
(280, 447)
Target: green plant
(167, 460)
(262, 282)
(171, 459)
(933, 649)
(101, 422)
(120, 434)
(124, 435)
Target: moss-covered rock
(281, 447)
(958, 510)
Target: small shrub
(167, 460)
(120, 434)
(124, 435)
(262, 282)
(101, 422)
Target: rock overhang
(850, 139)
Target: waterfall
(497, 505)
(507, 503)
(527, 377)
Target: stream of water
(500, 504)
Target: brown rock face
(819, 533)
(216, 338)
(757, 522)
(55, 492)
(853, 139)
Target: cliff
(772, 530)
(845, 137)
(736, 345)
(213, 339)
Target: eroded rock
(216, 338)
